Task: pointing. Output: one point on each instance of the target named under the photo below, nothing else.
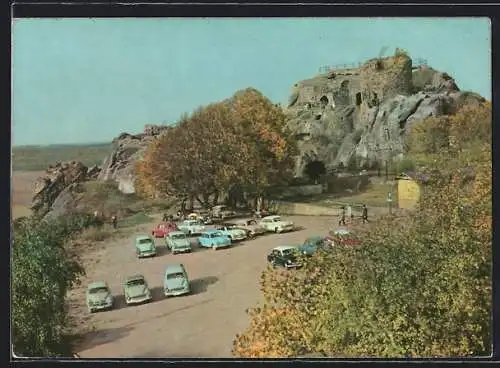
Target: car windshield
(175, 275)
(215, 235)
(136, 282)
(252, 222)
(98, 290)
(288, 252)
(276, 219)
(178, 236)
(145, 241)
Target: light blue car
(214, 239)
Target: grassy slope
(36, 158)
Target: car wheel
(276, 230)
(189, 233)
(214, 247)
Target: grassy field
(375, 195)
(36, 158)
(22, 191)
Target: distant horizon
(78, 81)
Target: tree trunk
(216, 198)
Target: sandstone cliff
(361, 113)
(119, 166)
(53, 192)
(364, 113)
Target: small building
(408, 192)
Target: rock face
(56, 186)
(119, 166)
(364, 113)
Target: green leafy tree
(42, 272)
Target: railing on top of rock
(416, 63)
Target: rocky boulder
(119, 166)
(57, 183)
(363, 114)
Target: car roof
(285, 247)
(97, 284)
(134, 277)
(176, 233)
(271, 217)
(211, 231)
(342, 231)
(171, 268)
(142, 237)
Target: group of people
(346, 211)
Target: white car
(276, 224)
(192, 227)
(234, 233)
(251, 226)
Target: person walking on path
(114, 221)
(349, 214)
(365, 214)
(342, 216)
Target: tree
(237, 142)
(419, 287)
(42, 273)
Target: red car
(342, 236)
(162, 229)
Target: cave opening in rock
(358, 98)
(314, 170)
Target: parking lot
(224, 283)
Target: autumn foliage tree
(239, 141)
(419, 287)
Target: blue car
(312, 244)
(214, 239)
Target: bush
(42, 273)
(416, 287)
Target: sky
(88, 80)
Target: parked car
(145, 246)
(192, 227)
(176, 281)
(284, 256)
(233, 233)
(99, 297)
(312, 244)
(177, 242)
(214, 239)
(136, 290)
(251, 226)
(276, 224)
(163, 228)
(342, 237)
(222, 212)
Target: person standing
(342, 216)
(365, 214)
(350, 216)
(114, 221)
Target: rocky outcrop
(55, 187)
(119, 166)
(364, 113)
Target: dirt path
(224, 282)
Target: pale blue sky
(87, 80)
